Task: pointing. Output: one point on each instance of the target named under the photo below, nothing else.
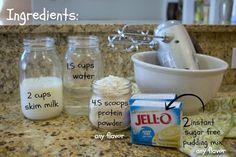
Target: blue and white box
(153, 97)
(152, 124)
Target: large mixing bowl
(152, 78)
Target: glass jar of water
(82, 65)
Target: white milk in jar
(41, 98)
(40, 79)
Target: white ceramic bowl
(205, 82)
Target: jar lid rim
(38, 41)
(82, 37)
(123, 87)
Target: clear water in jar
(77, 92)
(82, 65)
(76, 99)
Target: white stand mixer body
(179, 52)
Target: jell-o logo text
(164, 118)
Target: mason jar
(82, 65)
(40, 79)
(109, 107)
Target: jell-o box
(152, 124)
(154, 97)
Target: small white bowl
(152, 78)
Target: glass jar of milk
(82, 65)
(40, 79)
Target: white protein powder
(109, 107)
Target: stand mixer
(173, 43)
